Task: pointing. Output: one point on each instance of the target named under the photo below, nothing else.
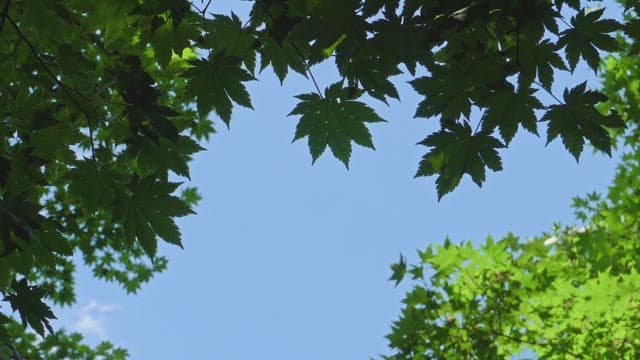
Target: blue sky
(285, 260)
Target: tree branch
(64, 87)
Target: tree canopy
(98, 123)
(571, 293)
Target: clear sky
(285, 260)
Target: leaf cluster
(570, 293)
(498, 59)
(97, 124)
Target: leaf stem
(548, 91)
(4, 14)
(565, 22)
(297, 49)
(475, 131)
(204, 10)
(64, 87)
(307, 67)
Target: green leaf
(54, 142)
(170, 39)
(27, 301)
(149, 211)
(92, 185)
(446, 95)
(455, 152)
(333, 121)
(55, 242)
(538, 59)
(632, 29)
(227, 36)
(578, 119)
(215, 83)
(112, 14)
(586, 36)
(398, 269)
(149, 156)
(281, 57)
(508, 108)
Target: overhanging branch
(64, 87)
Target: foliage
(55, 346)
(571, 294)
(97, 125)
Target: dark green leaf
(215, 83)
(587, 35)
(398, 269)
(455, 152)
(578, 119)
(334, 121)
(507, 109)
(27, 301)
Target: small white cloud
(92, 319)
(88, 324)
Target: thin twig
(64, 87)
(4, 14)
(307, 67)
(203, 13)
(195, 7)
(204, 10)
(297, 49)
(548, 91)
(475, 131)
(565, 22)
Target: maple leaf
(372, 72)
(455, 152)
(632, 29)
(508, 108)
(54, 142)
(587, 35)
(91, 184)
(409, 51)
(215, 83)
(149, 156)
(578, 119)
(398, 269)
(538, 59)
(227, 35)
(281, 57)
(340, 19)
(141, 116)
(27, 301)
(170, 38)
(147, 210)
(445, 94)
(333, 120)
